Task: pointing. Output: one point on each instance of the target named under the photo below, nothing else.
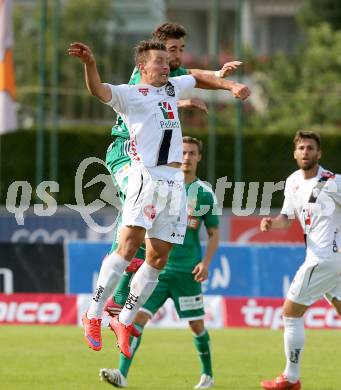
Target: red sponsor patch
(144, 91)
(149, 211)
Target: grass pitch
(47, 357)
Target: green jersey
(201, 203)
(120, 129)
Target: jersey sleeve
(333, 188)
(210, 218)
(118, 98)
(288, 207)
(184, 84)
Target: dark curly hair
(169, 31)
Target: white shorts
(316, 279)
(156, 201)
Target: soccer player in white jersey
(313, 195)
(155, 205)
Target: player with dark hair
(118, 160)
(313, 195)
(155, 204)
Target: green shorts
(118, 162)
(185, 292)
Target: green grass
(43, 358)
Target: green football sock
(125, 362)
(122, 289)
(202, 344)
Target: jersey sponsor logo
(149, 211)
(169, 88)
(169, 124)
(144, 91)
(166, 110)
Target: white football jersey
(151, 116)
(316, 202)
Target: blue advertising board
(236, 270)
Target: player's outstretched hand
(193, 103)
(83, 52)
(265, 224)
(228, 68)
(200, 272)
(240, 91)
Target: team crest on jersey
(169, 88)
(166, 109)
(327, 175)
(144, 91)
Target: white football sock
(293, 346)
(142, 286)
(111, 270)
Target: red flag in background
(8, 118)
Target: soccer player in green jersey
(118, 160)
(182, 276)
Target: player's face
(175, 49)
(156, 69)
(307, 154)
(191, 157)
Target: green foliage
(87, 21)
(56, 357)
(303, 91)
(314, 12)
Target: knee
(157, 262)
(197, 326)
(128, 249)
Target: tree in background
(303, 90)
(80, 20)
(314, 12)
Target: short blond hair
(191, 140)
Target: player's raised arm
(92, 78)
(208, 81)
(227, 69)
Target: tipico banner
(8, 118)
